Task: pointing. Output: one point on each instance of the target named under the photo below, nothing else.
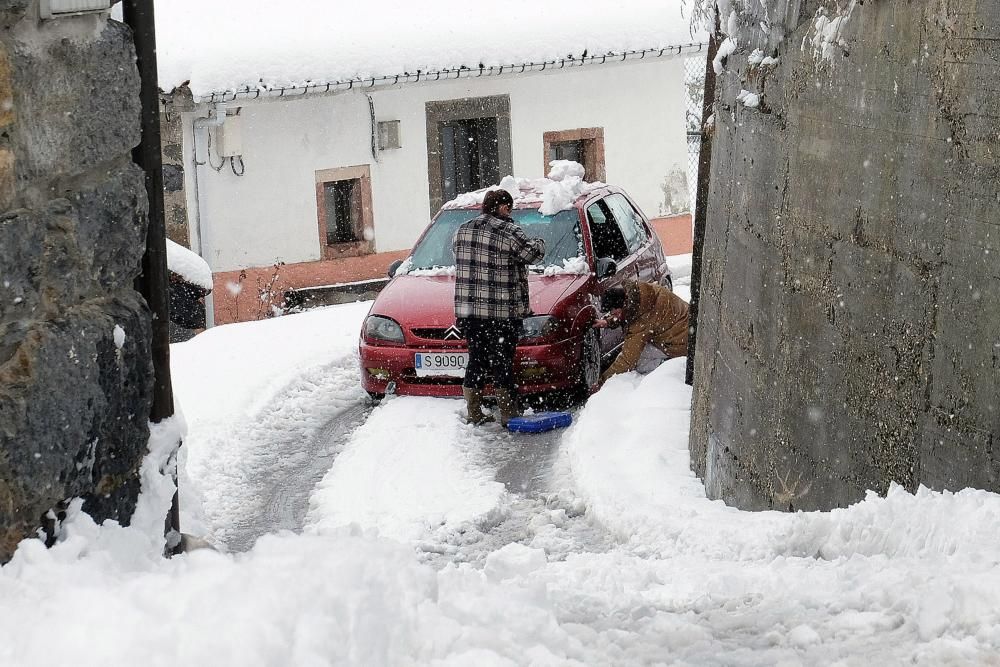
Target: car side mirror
(394, 267)
(606, 267)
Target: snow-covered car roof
(228, 45)
(558, 192)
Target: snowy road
(284, 488)
(524, 463)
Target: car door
(608, 242)
(644, 260)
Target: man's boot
(507, 402)
(474, 407)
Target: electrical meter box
(230, 137)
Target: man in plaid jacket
(492, 255)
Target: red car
(410, 344)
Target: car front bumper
(539, 368)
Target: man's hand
(600, 323)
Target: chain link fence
(694, 87)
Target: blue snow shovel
(540, 422)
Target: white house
(317, 131)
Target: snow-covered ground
(617, 557)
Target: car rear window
(561, 233)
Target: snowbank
(430, 484)
(244, 388)
(188, 265)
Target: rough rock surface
(849, 334)
(74, 405)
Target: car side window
(629, 221)
(605, 233)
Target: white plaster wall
(269, 214)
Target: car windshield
(560, 231)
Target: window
(567, 150)
(584, 145)
(468, 145)
(605, 234)
(629, 221)
(561, 233)
(469, 159)
(344, 212)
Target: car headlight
(382, 328)
(538, 327)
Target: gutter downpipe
(204, 123)
(153, 282)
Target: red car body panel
(420, 303)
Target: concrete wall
(849, 334)
(269, 214)
(74, 406)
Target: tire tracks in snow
(541, 509)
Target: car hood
(429, 301)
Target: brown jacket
(652, 315)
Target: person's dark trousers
(491, 352)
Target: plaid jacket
(492, 256)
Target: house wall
(269, 214)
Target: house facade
(310, 176)
(319, 145)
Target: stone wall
(172, 144)
(74, 397)
(849, 334)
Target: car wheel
(375, 397)
(590, 363)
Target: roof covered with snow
(225, 45)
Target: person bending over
(651, 316)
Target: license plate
(449, 364)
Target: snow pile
(119, 336)
(558, 192)
(245, 388)
(826, 34)
(429, 486)
(406, 269)
(576, 266)
(561, 170)
(188, 265)
(433, 271)
(748, 99)
(726, 49)
(318, 41)
(680, 274)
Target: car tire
(375, 397)
(590, 363)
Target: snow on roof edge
(446, 74)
